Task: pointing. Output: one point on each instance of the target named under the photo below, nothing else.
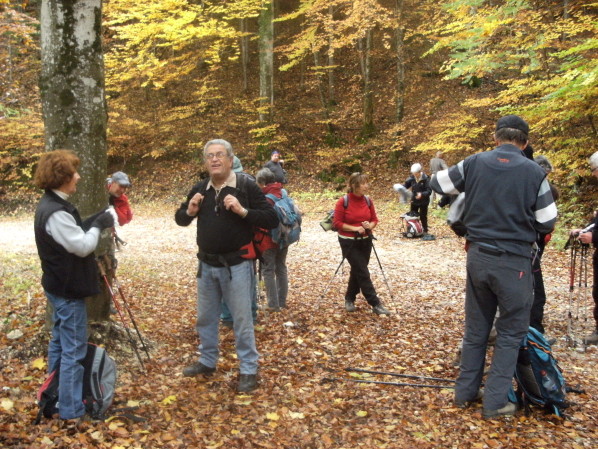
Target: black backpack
(99, 383)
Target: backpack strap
(273, 197)
(368, 201)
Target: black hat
(512, 121)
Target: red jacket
(357, 211)
(122, 208)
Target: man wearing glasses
(227, 207)
(589, 235)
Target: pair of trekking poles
(371, 235)
(578, 258)
(106, 265)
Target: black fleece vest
(64, 274)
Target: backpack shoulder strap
(368, 201)
(345, 201)
(241, 182)
(273, 197)
(203, 186)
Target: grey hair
(543, 162)
(225, 143)
(265, 177)
(594, 160)
(510, 135)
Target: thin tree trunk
(331, 90)
(266, 56)
(321, 90)
(400, 34)
(368, 96)
(244, 53)
(74, 103)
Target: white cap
(416, 168)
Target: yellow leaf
(235, 432)
(273, 416)
(131, 403)
(295, 415)
(362, 413)
(39, 363)
(7, 404)
(299, 340)
(169, 400)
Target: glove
(103, 221)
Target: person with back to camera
(507, 203)
(274, 258)
(437, 163)
(355, 224)
(419, 183)
(65, 246)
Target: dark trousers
(595, 288)
(537, 312)
(357, 252)
(422, 211)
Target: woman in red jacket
(355, 218)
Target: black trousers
(595, 288)
(422, 211)
(357, 252)
(537, 312)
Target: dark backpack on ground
(99, 383)
(289, 216)
(539, 378)
(327, 223)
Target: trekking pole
(332, 278)
(122, 318)
(382, 270)
(396, 384)
(127, 308)
(408, 376)
(574, 245)
(584, 270)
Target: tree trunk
(244, 52)
(74, 103)
(266, 57)
(400, 34)
(368, 128)
(331, 90)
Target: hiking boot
(464, 404)
(380, 310)
(507, 410)
(349, 306)
(198, 368)
(591, 339)
(247, 383)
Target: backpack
(327, 223)
(99, 382)
(539, 378)
(289, 216)
(413, 226)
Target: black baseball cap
(512, 121)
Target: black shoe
(196, 369)
(349, 306)
(247, 383)
(380, 310)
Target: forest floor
(301, 347)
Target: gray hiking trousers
(495, 279)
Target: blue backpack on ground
(289, 216)
(539, 378)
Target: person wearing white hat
(419, 183)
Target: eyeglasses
(219, 155)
